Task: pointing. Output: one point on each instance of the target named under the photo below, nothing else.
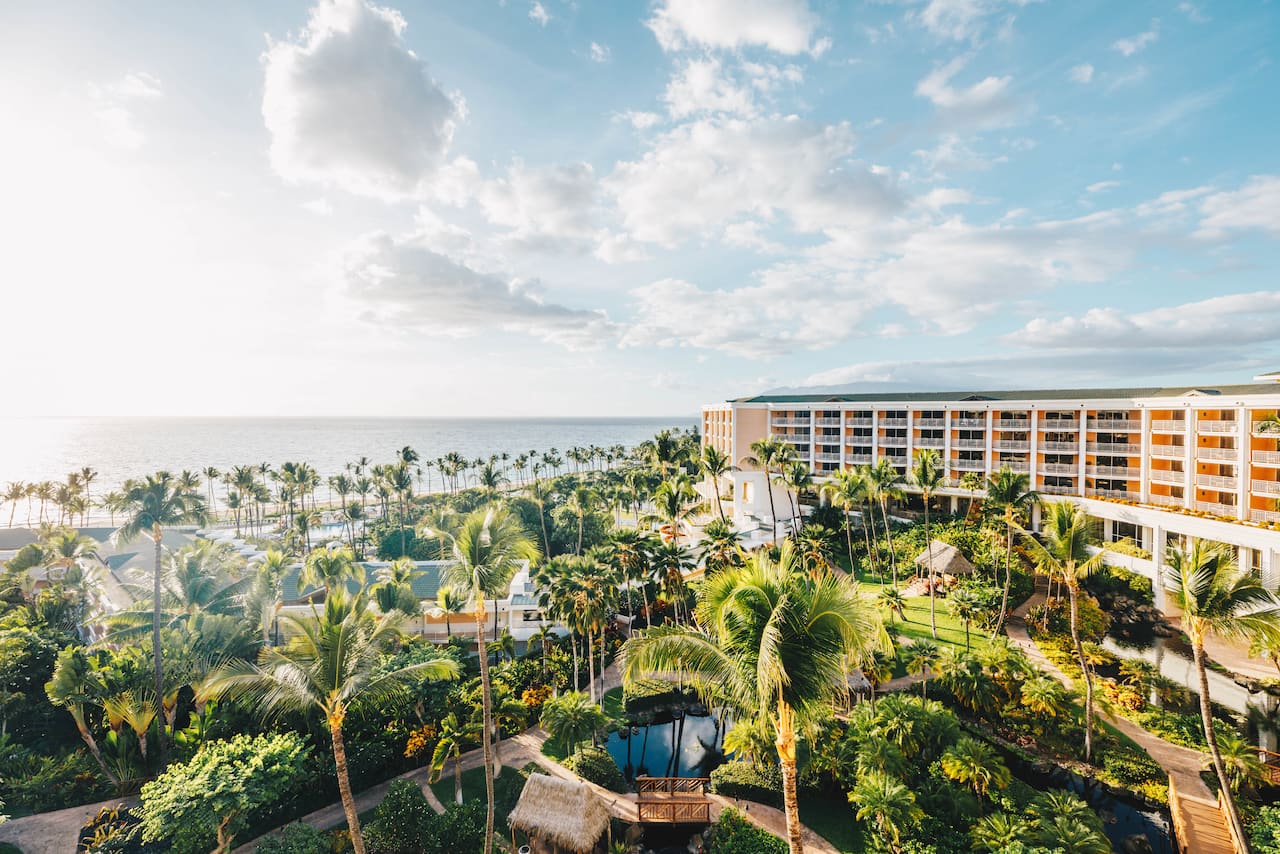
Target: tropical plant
(331, 665)
(572, 718)
(77, 683)
(975, 764)
(1009, 492)
(795, 478)
(922, 655)
(714, 465)
(330, 569)
(848, 489)
(1218, 597)
(454, 735)
(926, 475)
(884, 482)
(770, 455)
(888, 804)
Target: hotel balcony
(1060, 446)
(790, 422)
(1264, 516)
(1177, 478)
(1114, 493)
(1059, 468)
(1258, 431)
(893, 441)
(857, 422)
(1011, 445)
(893, 422)
(1214, 481)
(1012, 423)
(1113, 424)
(1018, 466)
(858, 459)
(826, 458)
(1114, 471)
(969, 465)
(931, 422)
(930, 442)
(1270, 459)
(1113, 448)
(827, 422)
(1168, 426)
(1218, 453)
(1168, 452)
(1218, 509)
(1053, 489)
(971, 444)
(1165, 500)
(968, 422)
(858, 441)
(1265, 487)
(1065, 424)
(1217, 427)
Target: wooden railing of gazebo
(673, 800)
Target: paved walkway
(1203, 823)
(54, 832)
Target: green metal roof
(425, 585)
(1016, 394)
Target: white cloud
(987, 102)
(701, 86)
(401, 284)
(953, 154)
(319, 207)
(961, 20)
(115, 107)
(349, 105)
(1135, 44)
(1082, 73)
(640, 120)
(785, 26)
(1193, 13)
(553, 207)
(600, 52)
(1102, 186)
(1237, 318)
(1256, 205)
(539, 14)
(699, 176)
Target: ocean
(37, 448)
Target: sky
(600, 207)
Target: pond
(686, 747)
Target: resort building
(1151, 463)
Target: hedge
(743, 780)
(597, 766)
(733, 834)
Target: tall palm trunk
(1084, 668)
(872, 562)
(457, 777)
(155, 632)
(573, 643)
(773, 514)
(344, 781)
(848, 538)
(1008, 579)
(77, 712)
(602, 651)
(486, 723)
(546, 541)
(786, 745)
(580, 521)
(591, 666)
(928, 550)
(1206, 717)
(888, 535)
(715, 484)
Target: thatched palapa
(947, 559)
(565, 813)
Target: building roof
(947, 559)
(425, 585)
(565, 813)
(1011, 395)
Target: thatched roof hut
(565, 813)
(947, 559)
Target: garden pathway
(1203, 824)
(54, 832)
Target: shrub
(1264, 833)
(297, 838)
(647, 695)
(215, 796)
(746, 781)
(36, 783)
(400, 821)
(534, 697)
(597, 766)
(733, 834)
(115, 831)
(459, 828)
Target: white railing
(858, 459)
(864, 441)
(969, 465)
(1010, 445)
(1266, 458)
(976, 444)
(1177, 426)
(1114, 493)
(1217, 426)
(1169, 452)
(1214, 507)
(1012, 423)
(1257, 429)
(1054, 489)
(931, 422)
(1060, 446)
(1114, 424)
(893, 441)
(1016, 466)
(1218, 453)
(1265, 487)
(1215, 481)
(1264, 516)
(1113, 471)
(1065, 424)
(1113, 448)
(790, 422)
(893, 422)
(827, 422)
(1060, 468)
(858, 422)
(1165, 500)
(827, 458)
(1167, 476)
(930, 442)
(968, 422)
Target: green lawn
(613, 704)
(916, 625)
(472, 783)
(831, 817)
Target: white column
(1032, 454)
(1269, 566)
(1082, 437)
(875, 435)
(946, 445)
(813, 438)
(1189, 460)
(986, 460)
(1157, 559)
(1108, 530)
(1243, 432)
(1144, 483)
(1243, 557)
(911, 429)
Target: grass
(831, 817)
(916, 625)
(472, 784)
(613, 704)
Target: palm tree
(153, 505)
(449, 600)
(674, 501)
(964, 605)
(540, 493)
(892, 600)
(1065, 556)
(1217, 597)
(452, 737)
(888, 803)
(926, 474)
(1011, 493)
(775, 642)
(211, 476)
(486, 549)
(884, 481)
(847, 489)
(631, 552)
(796, 478)
(76, 683)
(330, 569)
(581, 501)
(87, 476)
(998, 832)
(770, 454)
(670, 563)
(971, 482)
(571, 719)
(14, 492)
(922, 655)
(714, 465)
(1043, 695)
(975, 764)
(332, 665)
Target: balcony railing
(862, 441)
(1054, 489)
(1012, 423)
(1218, 453)
(1113, 448)
(975, 444)
(1214, 507)
(858, 422)
(1113, 471)
(858, 459)
(1165, 500)
(968, 465)
(1060, 424)
(1114, 493)
(1264, 516)
(1265, 487)
(1214, 481)
(1060, 468)
(1016, 466)
(1010, 445)
(931, 422)
(1168, 452)
(1217, 426)
(1060, 446)
(968, 422)
(1114, 424)
(827, 422)
(893, 441)
(1271, 459)
(1163, 426)
(930, 442)
(893, 422)
(790, 422)
(1167, 476)
(827, 458)
(1257, 429)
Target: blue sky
(630, 208)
